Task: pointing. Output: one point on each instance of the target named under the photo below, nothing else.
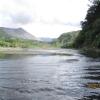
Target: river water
(49, 76)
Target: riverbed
(62, 74)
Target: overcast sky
(43, 18)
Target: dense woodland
(89, 36)
(66, 39)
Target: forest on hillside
(89, 36)
(66, 40)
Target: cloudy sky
(43, 18)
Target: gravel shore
(34, 51)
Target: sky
(43, 18)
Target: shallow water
(49, 77)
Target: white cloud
(43, 17)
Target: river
(47, 76)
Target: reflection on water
(94, 96)
(49, 77)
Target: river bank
(92, 52)
(35, 51)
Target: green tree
(90, 34)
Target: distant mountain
(49, 40)
(15, 33)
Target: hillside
(18, 37)
(66, 39)
(14, 33)
(89, 37)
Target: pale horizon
(43, 18)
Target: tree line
(89, 36)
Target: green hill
(66, 39)
(14, 33)
(16, 37)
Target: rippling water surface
(49, 77)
